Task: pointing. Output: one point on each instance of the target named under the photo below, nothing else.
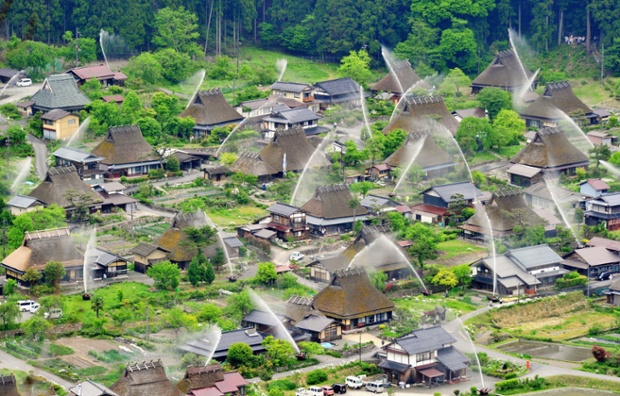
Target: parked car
(24, 82)
(296, 256)
(328, 391)
(604, 276)
(354, 382)
(301, 392)
(26, 305)
(54, 313)
(34, 308)
(339, 388)
(314, 391)
(375, 386)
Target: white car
(24, 82)
(34, 308)
(296, 256)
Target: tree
(92, 89)
(219, 259)
(463, 274)
(280, 351)
(615, 159)
(32, 55)
(54, 272)
(32, 276)
(96, 304)
(51, 302)
(165, 274)
(176, 66)
(266, 273)
(357, 66)
(600, 153)
(228, 158)
(458, 48)
(195, 272)
(131, 106)
(240, 303)
(494, 100)
(16, 134)
(121, 316)
(362, 187)
(176, 29)
(509, 128)
(378, 280)
(425, 240)
(473, 134)
(446, 278)
(209, 313)
(354, 204)
(9, 313)
(172, 164)
(454, 81)
(35, 328)
(353, 155)
(144, 69)
(176, 319)
(239, 354)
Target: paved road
(16, 94)
(40, 155)
(12, 363)
(146, 211)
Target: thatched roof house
(210, 109)
(59, 91)
(400, 80)
(211, 380)
(557, 102)
(419, 112)
(386, 257)
(504, 72)
(289, 150)
(506, 210)
(8, 385)
(551, 151)
(329, 210)
(176, 242)
(352, 300)
(125, 152)
(145, 379)
(41, 247)
(434, 161)
(62, 186)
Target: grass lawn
(483, 156)
(560, 381)
(591, 93)
(509, 151)
(417, 305)
(235, 216)
(457, 247)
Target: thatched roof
(550, 149)
(196, 219)
(506, 210)
(351, 295)
(430, 155)
(124, 145)
(201, 377)
(332, 202)
(61, 185)
(41, 247)
(298, 308)
(210, 108)
(557, 98)
(290, 142)
(503, 72)
(252, 164)
(145, 379)
(418, 111)
(403, 74)
(175, 241)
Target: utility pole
(77, 47)
(602, 58)
(360, 346)
(146, 328)
(131, 215)
(8, 158)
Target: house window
(297, 95)
(276, 217)
(297, 233)
(49, 122)
(331, 333)
(71, 121)
(420, 357)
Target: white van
(27, 305)
(375, 386)
(315, 391)
(354, 382)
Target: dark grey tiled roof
(452, 359)
(314, 323)
(425, 340)
(233, 242)
(282, 209)
(144, 249)
(288, 86)
(60, 91)
(534, 256)
(467, 189)
(262, 318)
(294, 116)
(55, 115)
(340, 86)
(21, 201)
(76, 155)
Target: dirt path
(12, 363)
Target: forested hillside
(432, 34)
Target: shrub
(316, 377)
(283, 384)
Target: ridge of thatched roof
(419, 111)
(430, 153)
(332, 202)
(252, 164)
(550, 148)
(59, 187)
(504, 72)
(403, 74)
(40, 247)
(145, 379)
(557, 98)
(211, 108)
(196, 219)
(350, 295)
(290, 142)
(201, 377)
(123, 145)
